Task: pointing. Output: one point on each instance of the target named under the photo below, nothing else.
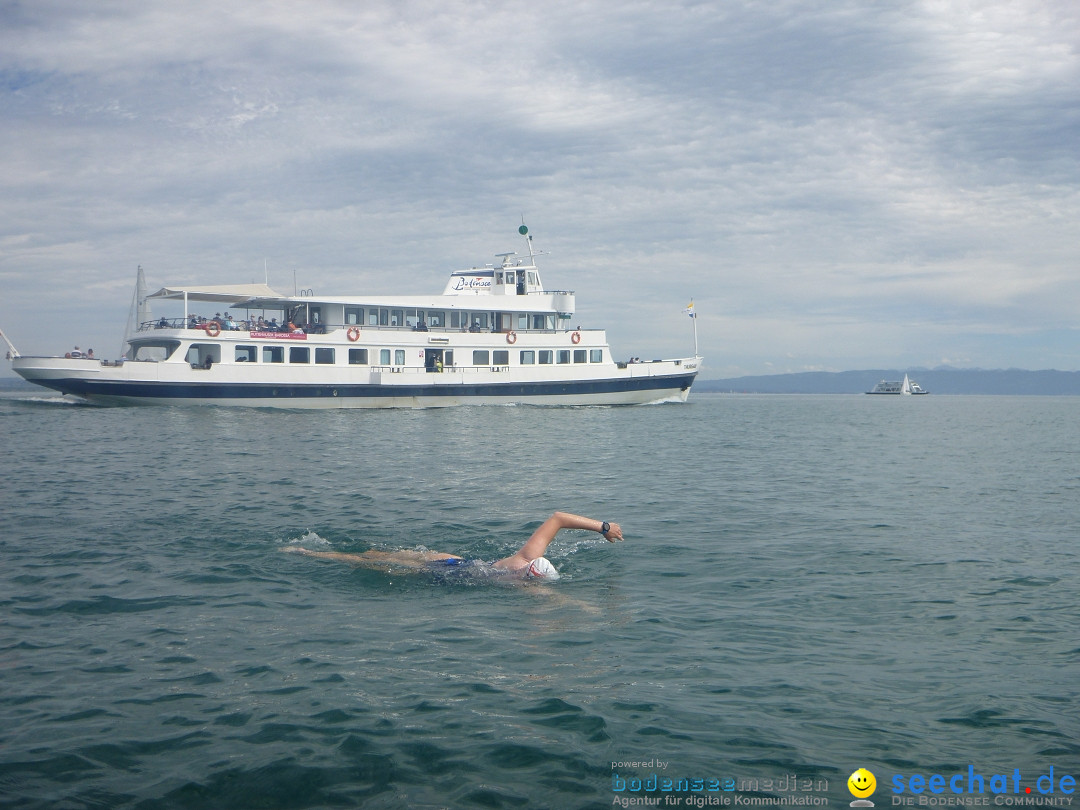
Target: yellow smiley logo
(861, 783)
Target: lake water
(809, 585)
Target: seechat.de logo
(862, 785)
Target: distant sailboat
(912, 388)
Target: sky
(835, 184)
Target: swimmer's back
(456, 566)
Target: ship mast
(524, 231)
(139, 311)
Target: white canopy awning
(235, 294)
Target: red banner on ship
(280, 335)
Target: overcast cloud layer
(836, 184)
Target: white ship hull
(131, 384)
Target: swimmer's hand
(613, 533)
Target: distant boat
(905, 388)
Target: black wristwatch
(605, 527)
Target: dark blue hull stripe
(268, 391)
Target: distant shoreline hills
(937, 381)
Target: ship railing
(198, 323)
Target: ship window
(373, 317)
(523, 320)
(579, 355)
(199, 353)
(354, 316)
(528, 357)
(456, 321)
(384, 357)
(448, 359)
(537, 321)
(498, 278)
(384, 317)
(324, 357)
(397, 317)
(156, 351)
(545, 357)
(399, 357)
(357, 357)
(436, 318)
(246, 354)
(299, 354)
(273, 354)
(596, 355)
(480, 319)
(480, 357)
(564, 356)
(532, 279)
(500, 357)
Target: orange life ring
(575, 338)
(213, 329)
(354, 333)
(511, 337)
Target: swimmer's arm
(536, 545)
(556, 597)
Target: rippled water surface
(809, 585)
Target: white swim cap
(541, 568)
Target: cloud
(835, 183)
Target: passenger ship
(494, 336)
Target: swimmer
(529, 560)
